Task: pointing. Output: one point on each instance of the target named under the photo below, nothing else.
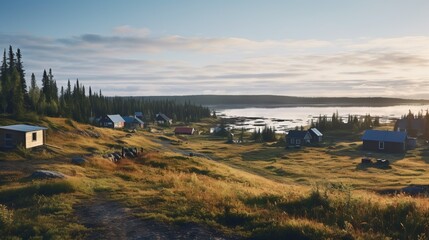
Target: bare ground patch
(108, 219)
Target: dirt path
(111, 220)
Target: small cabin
(132, 122)
(184, 131)
(112, 121)
(27, 136)
(162, 119)
(316, 135)
(298, 138)
(384, 141)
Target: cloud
(127, 30)
(133, 62)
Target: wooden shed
(27, 136)
(384, 141)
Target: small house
(112, 121)
(184, 130)
(162, 119)
(139, 115)
(132, 122)
(384, 141)
(298, 138)
(414, 127)
(27, 136)
(316, 135)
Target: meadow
(249, 190)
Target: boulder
(43, 174)
(79, 160)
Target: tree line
(76, 102)
(353, 122)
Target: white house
(26, 135)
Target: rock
(42, 174)
(78, 161)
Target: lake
(285, 118)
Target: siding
(29, 139)
(22, 138)
(389, 147)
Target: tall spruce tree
(18, 95)
(3, 82)
(21, 71)
(34, 93)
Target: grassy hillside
(249, 190)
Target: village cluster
(396, 141)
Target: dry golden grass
(251, 189)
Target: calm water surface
(285, 118)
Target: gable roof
(297, 134)
(384, 136)
(132, 119)
(316, 132)
(116, 118)
(23, 128)
(163, 116)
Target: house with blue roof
(133, 122)
(384, 141)
(112, 121)
(27, 136)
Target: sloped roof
(163, 116)
(316, 131)
(131, 119)
(23, 128)
(297, 134)
(384, 136)
(116, 118)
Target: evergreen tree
(34, 93)
(18, 96)
(4, 82)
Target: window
(298, 141)
(7, 136)
(34, 137)
(380, 145)
(292, 140)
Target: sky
(365, 48)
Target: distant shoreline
(276, 101)
(240, 106)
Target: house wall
(389, 147)
(16, 138)
(21, 138)
(29, 143)
(119, 125)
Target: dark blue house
(316, 135)
(298, 138)
(385, 141)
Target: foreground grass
(250, 190)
